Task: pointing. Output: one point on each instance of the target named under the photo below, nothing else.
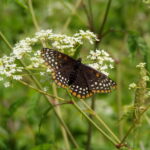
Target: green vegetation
(35, 113)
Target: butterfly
(81, 80)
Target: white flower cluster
(147, 95)
(9, 68)
(146, 78)
(23, 47)
(101, 60)
(132, 86)
(62, 41)
(86, 35)
(141, 65)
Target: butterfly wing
(88, 80)
(80, 87)
(61, 65)
(97, 81)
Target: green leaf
(133, 42)
(142, 45)
(44, 116)
(16, 105)
(3, 145)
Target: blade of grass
(119, 102)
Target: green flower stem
(91, 14)
(119, 102)
(101, 121)
(105, 18)
(40, 91)
(33, 15)
(93, 123)
(5, 40)
(100, 32)
(133, 125)
(34, 19)
(46, 97)
(88, 15)
(72, 14)
(58, 110)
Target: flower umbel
(101, 60)
(132, 86)
(25, 50)
(141, 65)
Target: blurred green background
(127, 40)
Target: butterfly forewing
(97, 81)
(61, 65)
(55, 59)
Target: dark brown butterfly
(82, 81)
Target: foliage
(35, 113)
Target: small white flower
(1, 78)
(141, 65)
(94, 65)
(6, 84)
(132, 86)
(17, 77)
(146, 78)
(147, 95)
(146, 1)
(45, 89)
(49, 70)
(102, 60)
(42, 73)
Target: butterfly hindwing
(80, 87)
(61, 76)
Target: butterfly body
(82, 81)
(73, 74)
